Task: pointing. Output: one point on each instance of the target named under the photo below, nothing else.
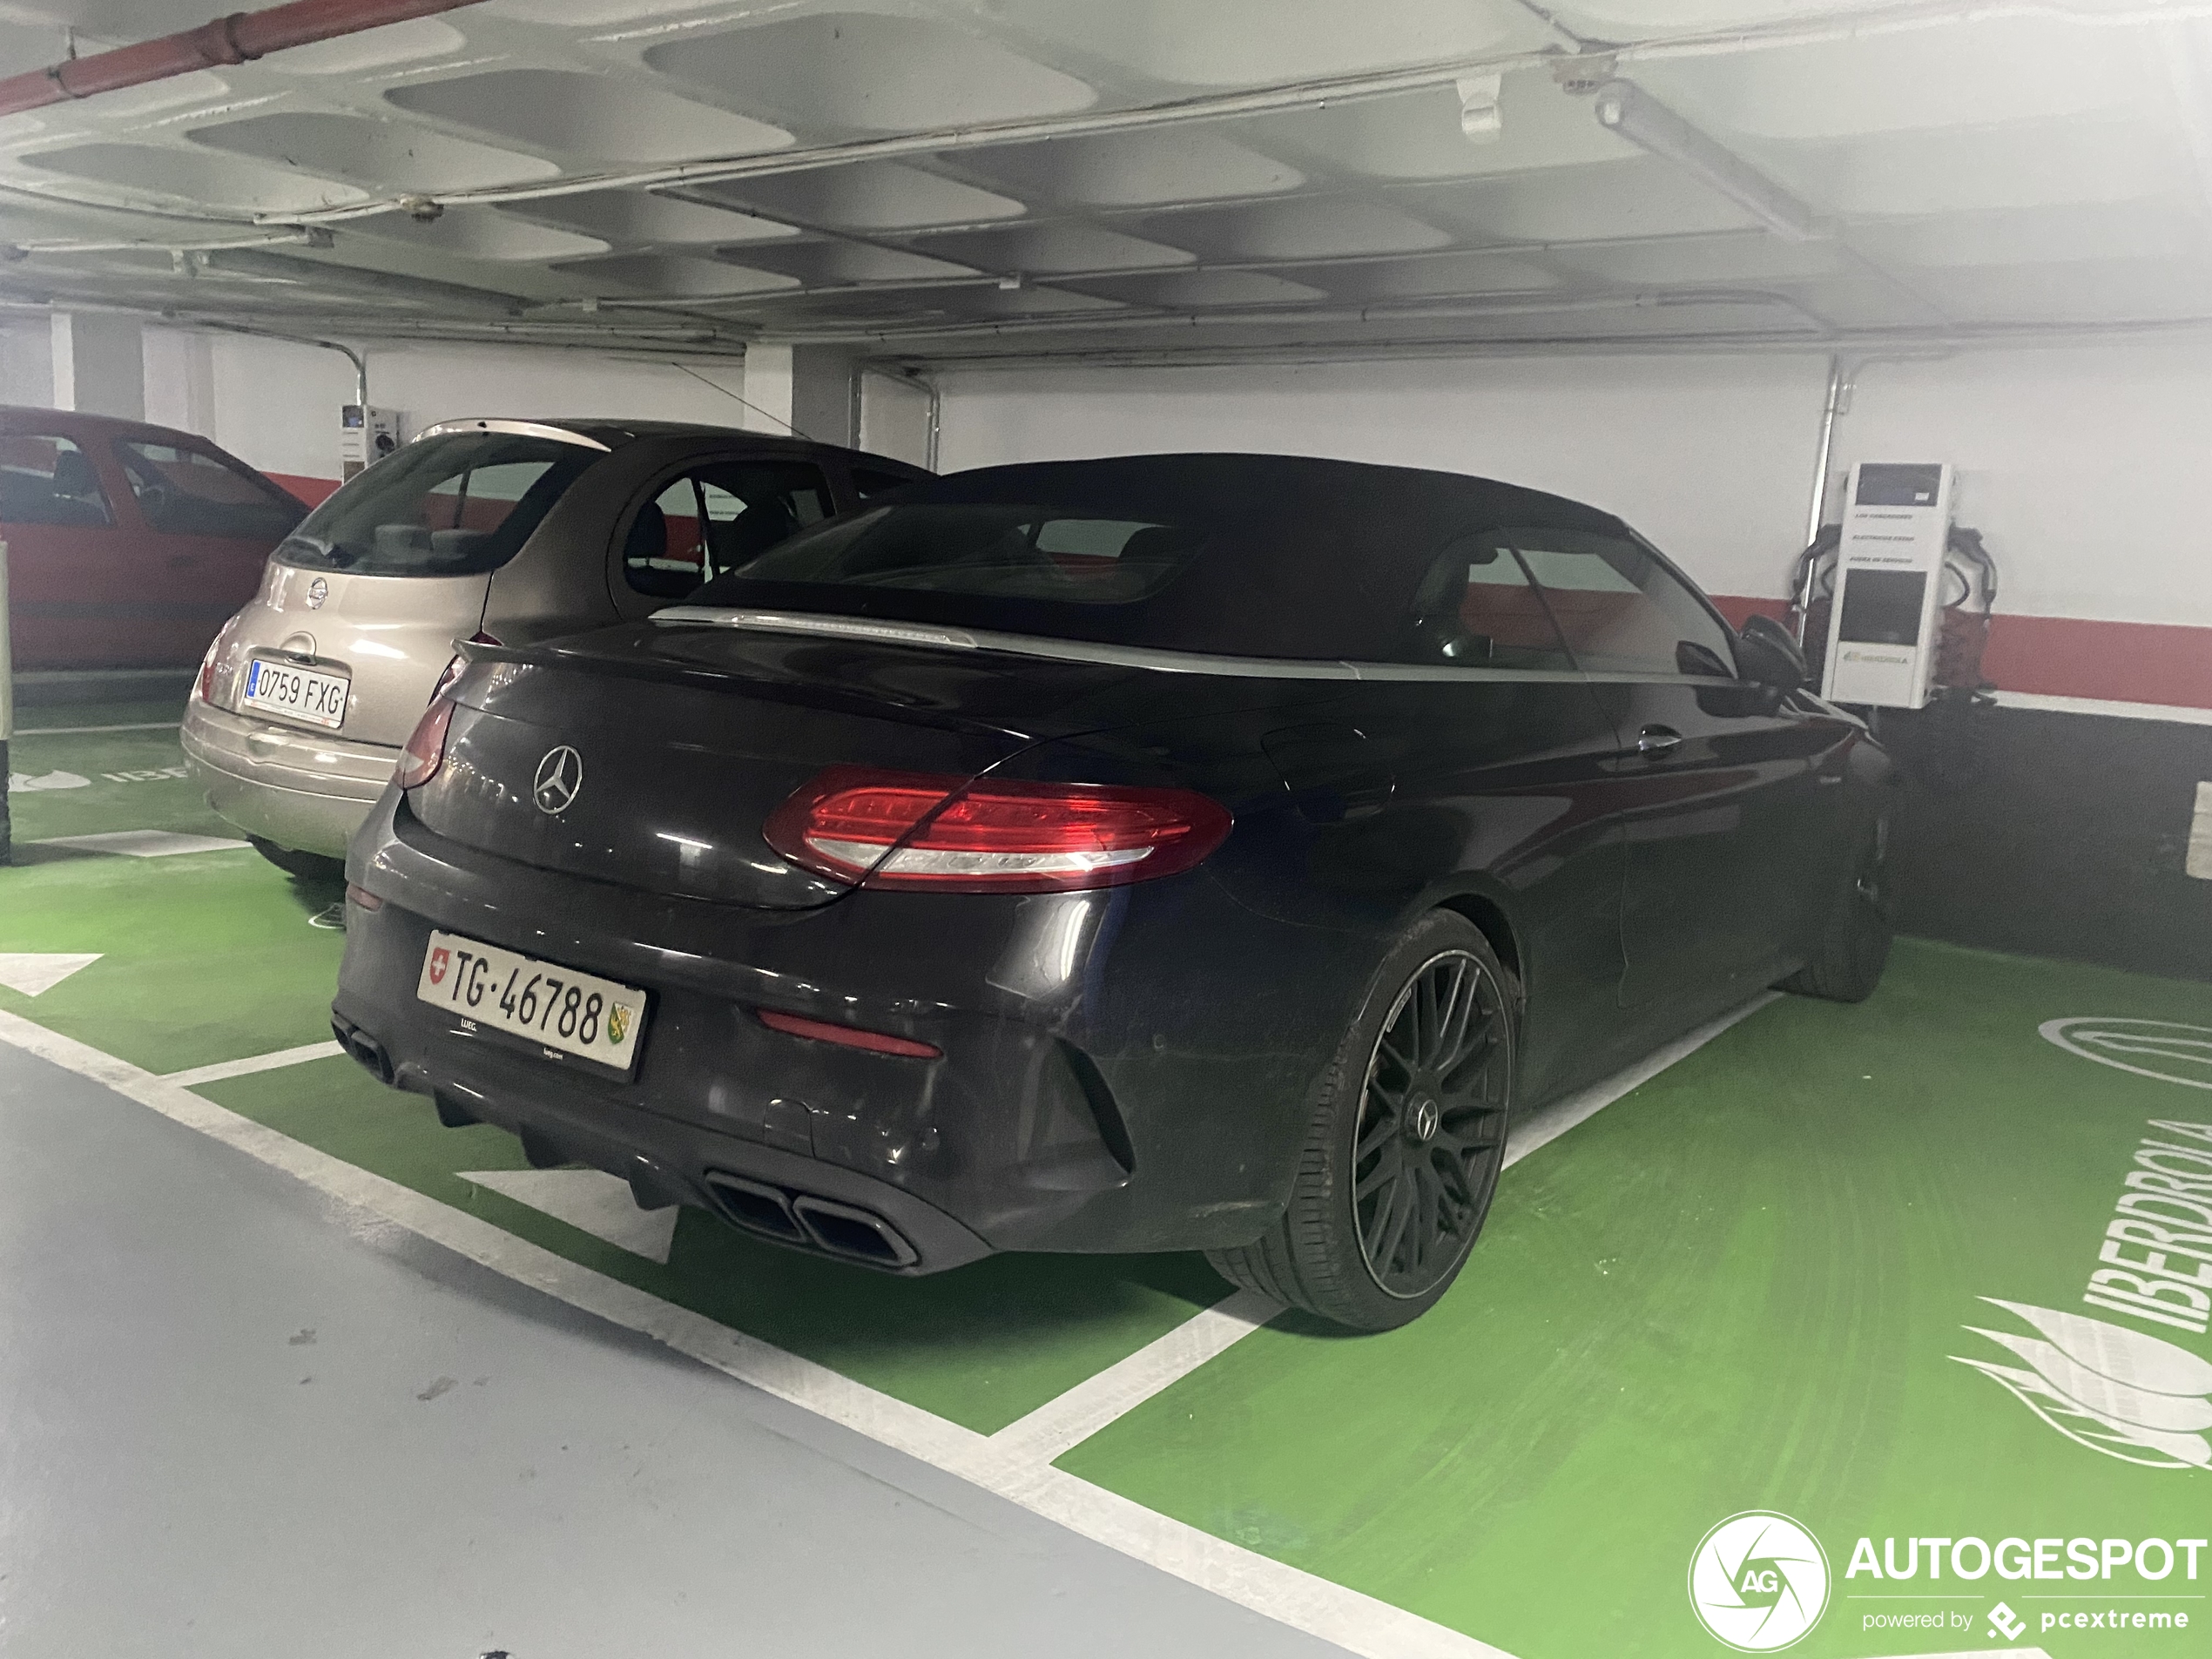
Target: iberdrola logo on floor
(1758, 1582)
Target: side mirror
(1766, 654)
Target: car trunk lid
(652, 758)
(391, 635)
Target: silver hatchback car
(506, 531)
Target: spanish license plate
(579, 1013)
(303, 693)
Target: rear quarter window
(458, 504)
(182, 491)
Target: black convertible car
(1197, 852)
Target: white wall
(2083, 466)
(275, 404)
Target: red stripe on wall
(314, 491)
(2117, 662)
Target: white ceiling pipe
(1507, 306)
(1625, 109)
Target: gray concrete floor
(237, 1422)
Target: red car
(129, 545)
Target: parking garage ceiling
(935, 180)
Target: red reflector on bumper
(795, 1025)
(362, 897)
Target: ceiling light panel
(1692, 261)
(587, 117)
(395, 155)
(197, 176)
(1198, 290)
(1443, 276)
(638, 219)
(866, 196)
(675, 275)
(1045, 250)
(479, 233)
(1922, 80)
(1241, 42)
(1643, 196)
(858, 72)
(416, 41)
(1305, 227)
(1134, 169)
(815, 264)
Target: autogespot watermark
(1758, 1582)
(2147, 1578)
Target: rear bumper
(300, 788)
(1111, 1079)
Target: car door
(1481, 763)
(73, 601)
(1718, 792)
(710, 517)
(207, 526)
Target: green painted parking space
(980, 1345)
(92, 782)
(204, 956)
(1743, 1288)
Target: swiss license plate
(303, 693)
(579, 1013)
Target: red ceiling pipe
(238, 38)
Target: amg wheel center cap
(1422, 1122)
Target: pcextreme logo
(1758, 1582)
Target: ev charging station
(365, 435)
(1884, 628)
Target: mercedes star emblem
(559, 776)
(317, 590)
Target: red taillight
(992, 836)
(204, 688)
(452, 670)
(426, 750)
(848, 1036)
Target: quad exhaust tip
(800, 1218)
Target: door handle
(1655, 740)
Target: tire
(1854, 945)
(303, 866)
(1440, 1122)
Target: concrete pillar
(99, 365)
(180, 380)
(27, 364)
(803, 388)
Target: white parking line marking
(143, 844)
(1358, 1623)
(78, 730)
(225, 1068)
(1062, 1424)
(35, 972)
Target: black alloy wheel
(1405, 1140)
(1432, 1127)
